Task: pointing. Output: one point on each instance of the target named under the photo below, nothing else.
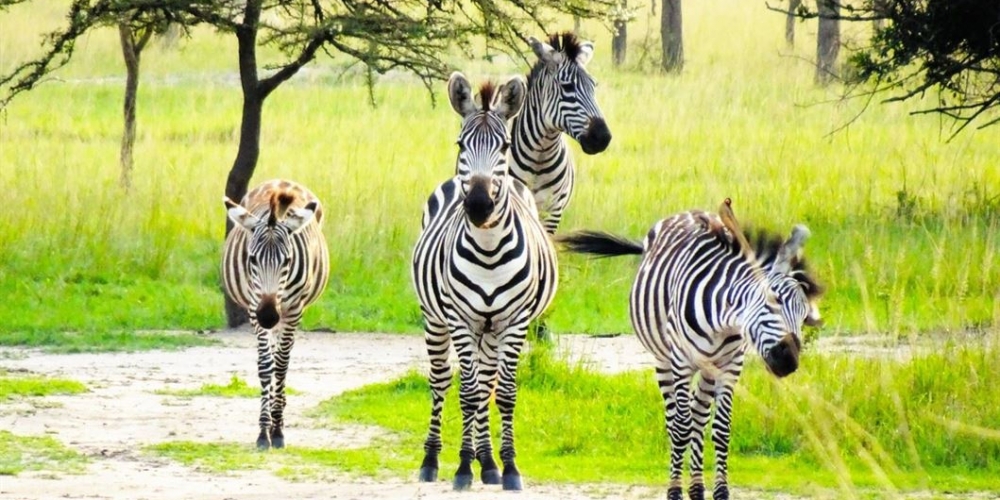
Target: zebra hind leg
(700, 412)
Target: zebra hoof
(696, 492)
(462, 482)
(277, 439)
(428, 474)
(512, 482)
(263, 442)
(491, 476)
(721, 493)
(675, 493)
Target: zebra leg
(468, 395)
(510, 349)
(674, 388)
(700, 411)
(282, 355)
(720, 436)
(265, 369)
(489, 472)
(438, 349)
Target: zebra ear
(239, 215)
(460, 94)
(544, 51)
(297, 218)
(586, 53)
(512, 96)
(790, 249)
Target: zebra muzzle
(478, 203)
(783, 359)
(596, 138)
(267, 313)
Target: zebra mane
(567, 42)
(766, 246)
(486, 91)
(279, 206)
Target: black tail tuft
(598, 243)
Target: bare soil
(122, 413)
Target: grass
(30, 386)
(906, 225)
(236, 388)
(37, 453)
(69, 342)
(841, 422)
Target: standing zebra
(701, 295)
(275, 264)
(483, 268)
(561, 98)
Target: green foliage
(19, 386)
(81, 256)
(236, 388)
(102, 341)
(37, 453)
(925, 422)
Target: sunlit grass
(905, 225)
(840, 423)
(37, 453)
(235, 388)
(12, 385)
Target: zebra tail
(598, 243)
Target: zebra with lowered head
(483, 268)
(561, 98)
(275, 264)
(702, 295)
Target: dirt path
(122, 413)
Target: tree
(827, 41)
(793, 5)
(672, 36)
(920, 46)
(384, 35)
(620, 16)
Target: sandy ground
(122, 413)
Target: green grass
(841, 422)
(236, 388)
(12, 386)
(37, 453)
(906, 225)
(66, 342)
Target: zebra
(701, 294)
(483, 267)
(275, 264)
(561, 98)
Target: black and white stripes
(702, 294)
(561, 98)
(275, 264)
(483, 268)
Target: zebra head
(483, 142)
(269, 251)
(564, 93)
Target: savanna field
(905, 224)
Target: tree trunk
(249, 148)
(881, 9)
(790, 19)
(672, 36)
(131, 56)
(827, 41)
(619, 42)
(576, 25)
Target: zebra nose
(783, 359)
(596, 138)
(267, 313)
(478, 204)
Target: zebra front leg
(506, 394)
(468, 395)
(701, 409)
(282, 355)
(438, 349)
(487, 355)
(265, 370)
(720, 436)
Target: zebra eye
(253, 260)
(567, 87)
(505, 147)
(461, 147)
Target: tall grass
(905, 224)
(841, 422)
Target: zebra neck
(535, 142)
